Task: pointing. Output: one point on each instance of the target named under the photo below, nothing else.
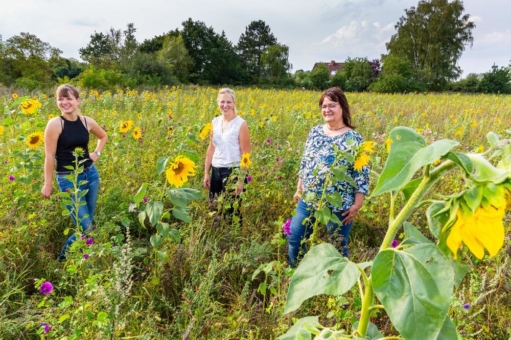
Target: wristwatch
(97, 153)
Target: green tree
(497, 80)
(319, 77)
(26, 61)
(397, 76)
(175, 56)
(251, 46)
(214, 58)
(358, 74)
(468, 84)
(432, 37)
(98, 51)
(155, 44)
(275, 62)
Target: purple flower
(46, 288)
(52, 309)
(123, 135)
(280, 178)
(394, 243)
(47, 327)
(268, 140)
(463, 180)
(249, 179)
(83, 236)
(466, 306)
(145, 199)
(86, 256)
(90, 241)
(11, 178)
(277, 159)
(286, 227)
(358, 316)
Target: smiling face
(332, 112)
(68, 104)
(225, 104)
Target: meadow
(170, 272)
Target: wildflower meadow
(429, 251)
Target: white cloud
(494, 38)
(475, 18)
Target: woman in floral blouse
(317, 159)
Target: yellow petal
(469, 235)
(454, 239)
(491, 229)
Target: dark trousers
(219, 182)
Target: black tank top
(74, 134)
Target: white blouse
(227, 142)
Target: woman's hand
(46, 191)
(239, 188)
(93, 157)
(349, 215)
(297, 196)
(207, 181)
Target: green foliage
(174, 55)
(274, 62)
(107, 79)
(432, 37)
(497, 80)
(397, 76)
(357, 74)
(319, 77)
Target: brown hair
(65, 89)
(335, 94)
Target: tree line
(422, 55)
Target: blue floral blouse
(319, 155)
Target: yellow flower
(368, 147)
(361, 161)
(50, 116)
(179, 171)
(30, 106)
(482, 229)
(437, 162)
(205, 131)
(2, 129)
(137, 133)
(139, 116)
(126, 126)
(245, 160)
(480, 149)
(35, 139)
(388, 142)
(14, 96)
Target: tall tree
(432, 37)
(98, 51)
(275, 62)
(214, 59)
(175, 56)
(251, 45)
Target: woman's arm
(207, 163)
(244, 140)
(349, 215)
(298, 194)
(51, 136)
(97, 131)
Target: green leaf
(63, 318)
(414, 284)
(484, 171)
(493, 138)
(413, 233)
(163, 229)
(408, 153)
(341, 175)
(473, 197)
(186, 193)
(162, 255)
(462, 160)
(139, 196)
(155, 241)
(334, 199)
(141, 218)
(161, 164)
(296, 330)
(174, 235)
(322, 271)
(437, 216)
(182, 214)
(410, 188)
(372, 331)
(262, 288)
(154, 211)
(102, 317)
(323, 215)
(448, 331)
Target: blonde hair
(229, 92)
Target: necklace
(342, 127)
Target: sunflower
(137, 133)
(30, 106)
(139, 116)
(361, 161)
(79, 152)
(179, 171)
(126, 126)
(388, 142)
(2, 129)
(205, 131)
(481, 229)
(368, 147)
(35, 139)
(245, 160)
(14, 96)
(50, 116)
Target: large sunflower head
(361, 161)
(35, 139)
(368, 147)
(126, 126)
(30, 106)
(245, 161)
(137, 133)
(179, 171)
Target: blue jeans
(299, 233)
(86, 211)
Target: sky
(314, 30)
